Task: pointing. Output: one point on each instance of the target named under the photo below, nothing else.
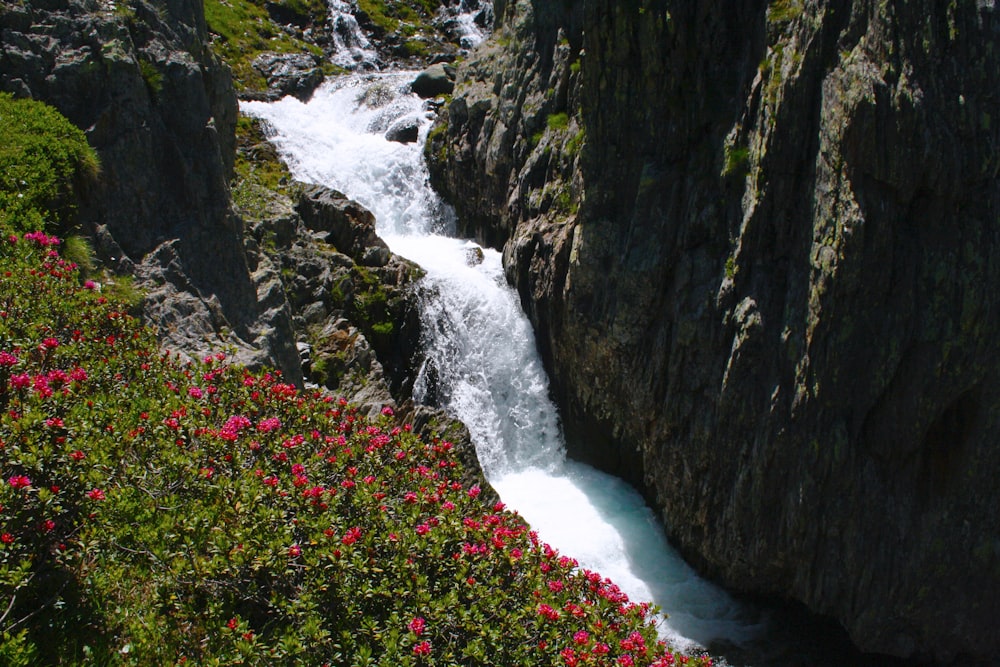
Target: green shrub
(77, 249)
(557, 121)
(152, 76)
(736, 160)
(784, 11)
(45, 165)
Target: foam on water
(482, 364)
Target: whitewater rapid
(482, 364)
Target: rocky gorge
(755, 242)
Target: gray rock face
(438, 79)
(755, 244)
(344, 223)
(160, 111)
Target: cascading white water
(464, 14)
(482, 364)
(352, 50)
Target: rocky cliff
(756, 242)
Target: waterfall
(482, 364)
(351, 46)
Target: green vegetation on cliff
(243, 29)
(45, 164)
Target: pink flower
(89, 284)
(7, 358)
(20, 381)
(422, 648)
(269, 424)
(474, 492)
(294, 551)
(19, 482)
(581, 637)
(423, 529)
(195, 392)
(352, 535)
(50, 343)
(95, 494)
(387, 411)
(417, 625)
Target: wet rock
(474, 256)
(405, 131)
(438, 79)
(296, 74)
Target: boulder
(405, 131)
(438, 79)
(343, 223)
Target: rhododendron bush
(157, 511)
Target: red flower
(569, 657)
(548, 612)
(422, 648)
(95, 494)
(78, 455)
(294, 551)
(19, 481)
(417, 625)
(232, 623)
(7, 538)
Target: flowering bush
(154, 511)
